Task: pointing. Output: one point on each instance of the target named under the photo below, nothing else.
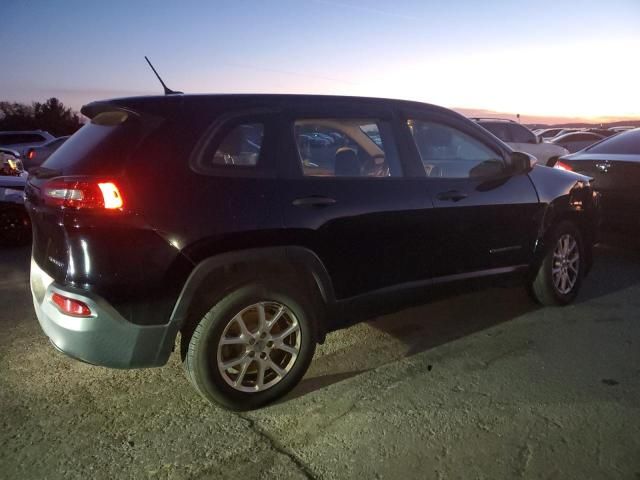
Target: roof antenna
(167, 90)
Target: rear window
(20, 138)
(100, 147)
(627, 143)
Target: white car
(521, 139)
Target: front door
(487, 217)
(348, 199)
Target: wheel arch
(216, 276)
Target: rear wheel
(252, 347)
(560, 275)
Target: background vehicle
(546, 133)
(614, 164)
(36, 155)
(21, 141)
(273, 235)
(15, 225)
(521, 139)
(605, 132)
(576, 140)
(10, 162)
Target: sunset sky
(541, 59)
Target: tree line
(51, 116)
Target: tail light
(563, 166)
(31, 154)
(70, 306)
(82, 194)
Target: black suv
(244, 221)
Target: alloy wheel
(566, 264)
(259, 346)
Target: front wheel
(252, 347)
(560, 275)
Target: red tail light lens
(71, 306)
(31, 154)
(82, 194)
(563, 166)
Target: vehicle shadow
(412, 323)
(422, 320)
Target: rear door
(486, 216)
(349, 197)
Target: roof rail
(493, 119)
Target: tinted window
(332, 147)
(499, 129)
(624, 143)
(19, 138)
(240, 147)
(101, 146)
(449, 153)
(520, 134)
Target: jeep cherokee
(243, 221)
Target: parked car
(251, 260)
(622, 128)
(521, 139)
(35, 156)
(15, 226)
(24, 140)
(10, 162)
(605, 132)
(576, 140)
(614, 164)
(547, 133)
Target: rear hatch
(98, 152)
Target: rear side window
(239, 147)
(627, 143)
(346, 147)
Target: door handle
(313, 201)
(453, 195)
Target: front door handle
(313, 201)
(453, 195)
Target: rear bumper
(105, 338)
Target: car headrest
(347, 163)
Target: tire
(546, 287)
(204, 352)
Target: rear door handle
(313, 201)
(453, 195)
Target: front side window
(239, 147)
(332, 147)
(449, 153)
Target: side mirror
(522, 162)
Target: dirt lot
(481, 385)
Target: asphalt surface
(483, 384)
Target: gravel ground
(481, 385)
